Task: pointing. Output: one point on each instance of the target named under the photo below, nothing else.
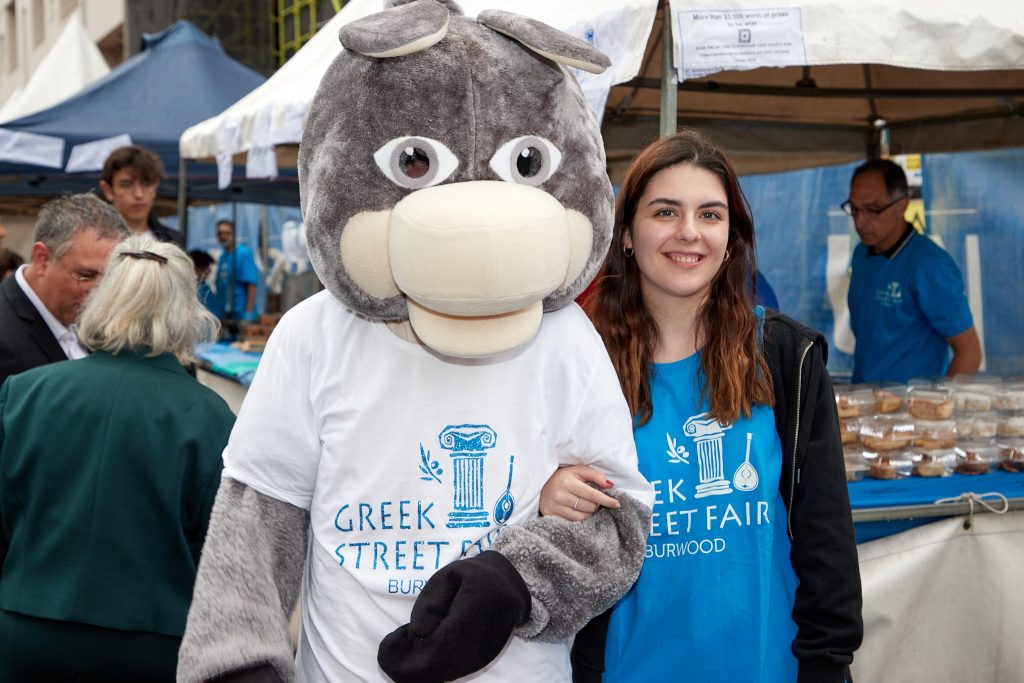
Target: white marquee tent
(72, 63)
(822, 80)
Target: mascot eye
(414, 162)
(528, 160)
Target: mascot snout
(479, 254)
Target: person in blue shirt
(908, 307)
(237, 276)
(751, 570)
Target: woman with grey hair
(108, 470)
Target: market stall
(936, 483)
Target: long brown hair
(734, 374)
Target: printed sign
(709, 41)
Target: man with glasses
(907, 302)
(39, 305)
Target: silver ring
(576, 503)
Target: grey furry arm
(248, 581)
(576, 570)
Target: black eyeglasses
(851, 209)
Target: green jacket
(108, 470)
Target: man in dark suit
(130, 178)
(41, 301)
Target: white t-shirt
(407, 460)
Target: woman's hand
(568, 493)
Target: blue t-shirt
(714, 599)
(902, 310)
(238, 267)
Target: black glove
(264, 673)
(460, 622)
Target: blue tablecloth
(229, 362)
(879, 493)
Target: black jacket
(164, 234)
(25, 339)
(827, 608)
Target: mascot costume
(390, 453)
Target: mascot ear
(400, 30)
(546, 41)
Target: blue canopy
(181, 77)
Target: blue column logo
(468, 445)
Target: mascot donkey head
(452, 174)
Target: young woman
(751, 570)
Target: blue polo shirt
(904, 304)
(236, 269)
(715, 596)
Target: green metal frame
(285, 14)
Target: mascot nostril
(454, 192)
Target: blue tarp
(968, 197)
(202, 231)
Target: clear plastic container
(934, 402)
(886, 432)
(974, 397)
(1010, 397)
(976, 425)
(891, 465)
(1011, 454)
(1011, 423)
(854, 401)
(849, 429)
(929, 434)
(856, 462)
(977, 457)
(856, 471)
(889, 397)
(939, 462)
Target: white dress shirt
(65, 336)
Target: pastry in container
(976, 425)
(854, 401)
(889, 397)
(937, 462)
(1011, 423)
(977, 457)
(973, 397)
(930, 434)
(891, 465)
(849, 429)
(1011, 454)
(933, 402)
(886, 432)
(1010, 397)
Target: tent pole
(669, 83)
(183, 198)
